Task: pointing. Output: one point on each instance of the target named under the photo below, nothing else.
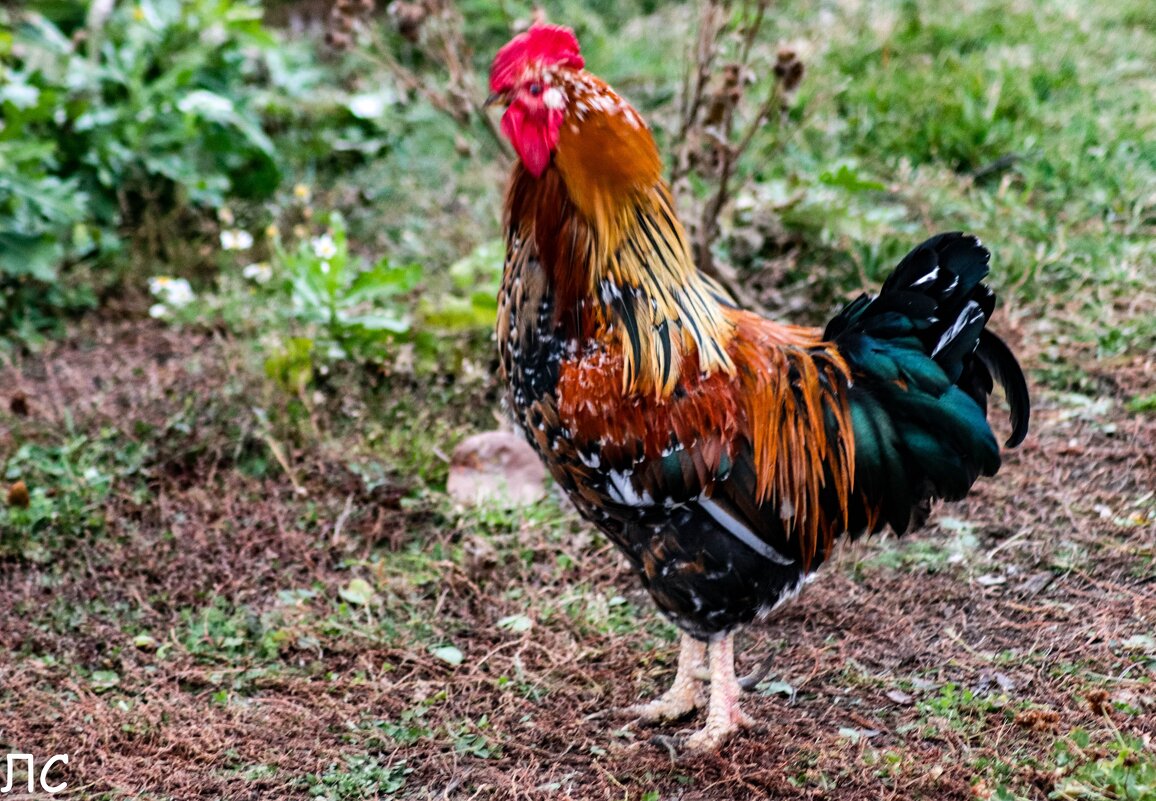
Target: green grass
(69, 477)
(1024, 123)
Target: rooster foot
(724, 715)
(669, 706)
(717, 731)
(685, 694)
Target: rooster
(723, 453)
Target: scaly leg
(684, 695)
(724, 717)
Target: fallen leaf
(777, 688)
(1035, 583)
(449, 654)
(144, 642)
(1140, 642)
(855, 735)
(900, 697)
(18, 495)
(516, 623)
(104, 680)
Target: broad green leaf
(516, 623)
(102, 680)
(358, 592)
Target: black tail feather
(998, 359)
(924, 366)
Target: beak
(493, 98)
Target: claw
(752, 679)
(671, 744)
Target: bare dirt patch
(923, 669)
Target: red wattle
(534, 137)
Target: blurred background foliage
(222, 142)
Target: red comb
(549, 44)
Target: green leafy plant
(67, 485)
(220, 633)
(1125, 771)
(123, 128)
(41, 224)
(343, 308)
(362, 776)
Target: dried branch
(710, 26)
(437, 30)
(711, 139)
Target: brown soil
(1033, 621)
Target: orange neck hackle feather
(623, 254)
(792, 386)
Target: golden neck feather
(632, 251)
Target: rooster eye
(535, 89)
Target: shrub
(130, 124)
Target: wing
(762, 457)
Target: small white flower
(324, 247)
(325, 267)
(158, 310)
(173, 291)
(260, 272)
(214, 36)
(367, 106)
(236, 239)
(205, 104)
(178, 293)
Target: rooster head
(526, 76)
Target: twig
(279, 455)
(706, 142)
(341, 520)
(438, 34)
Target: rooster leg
(684, 696)
(724, 717)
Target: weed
(931, 552)
(964, 710)
(67, 484)
(123, 127)
(362, 776)
(220, 633)
(1123, 770)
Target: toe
(660, 710)
(708, 738)
(741, 719)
